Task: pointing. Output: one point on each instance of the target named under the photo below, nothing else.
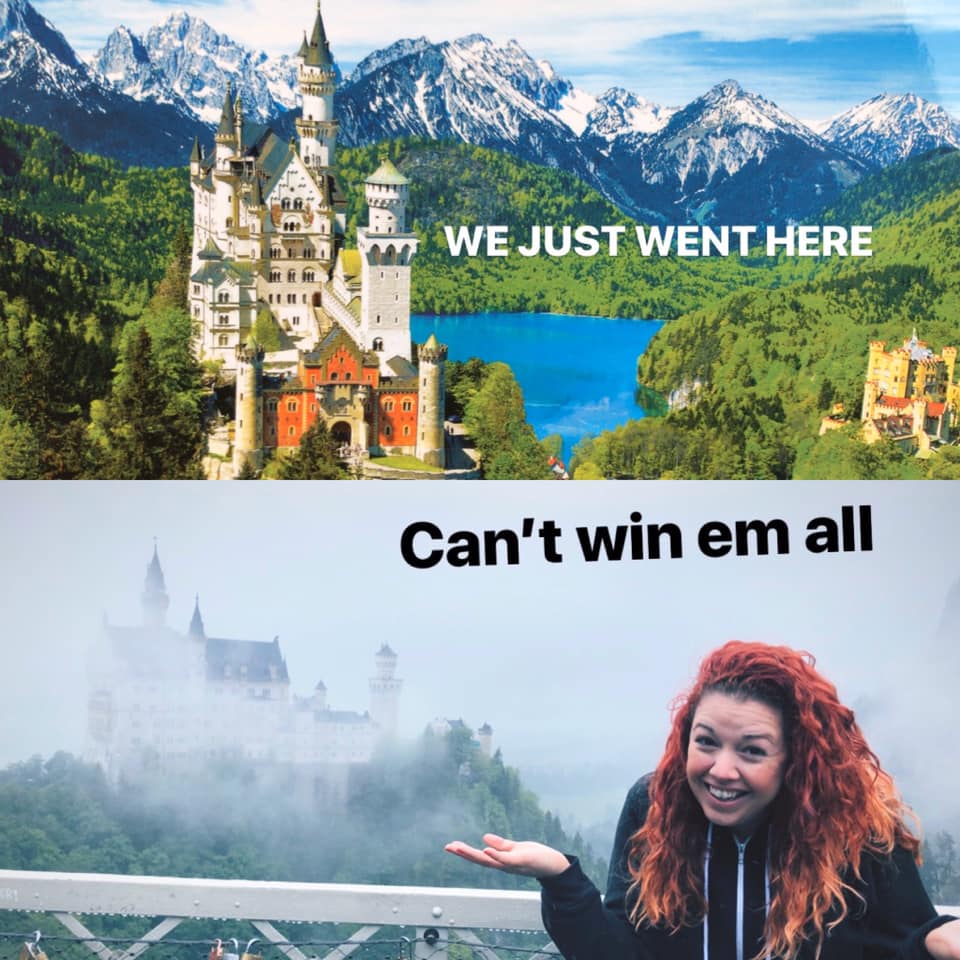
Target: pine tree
(152, 435)
(316, 459)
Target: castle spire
(227, 117)
(196, 621)
(154, 599)
(316, 50)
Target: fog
(573, 664)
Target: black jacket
(893, 923)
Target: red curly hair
(836, 803)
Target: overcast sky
(814, 59)
(573, 664)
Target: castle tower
(226, 136)
(319, 699)
(248, 440)
(316, 76)
(386, 252)
(154, 599)
(485, 737)
(385, 692)
(432, 358)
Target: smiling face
(736, 759)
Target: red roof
(896, 403)
(936, 409)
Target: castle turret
(226, 136)
(386, 252)
(154, 600)
(196, 158)
(248, 440)
(317, 78)
(485, 738)
(432, 357)
(385, 692)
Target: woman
(768, 830)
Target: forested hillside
(248, 822)
(764, 366)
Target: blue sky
(814, 59)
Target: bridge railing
(419, 923)
(392, 922)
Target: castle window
(308, 276)
(223, 340)
(270, 297)
(381, 274)
(296, 321)
(292, 406)
(291, 253)
(378, 343)
(348, 376)
(406, 431)
(272, 406)
(298, 204)
(291, 276)
(223, 297)
(334, 375)
(196, 288)
(229, 222)
(388, 406)
(285, 203)
(275, 252)
(308, 253)
(274, 276)
(291, 431)
(387, 431)
(291, 298)
(223, 319)
(407, 406)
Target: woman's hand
(944, 942)
(525, 857)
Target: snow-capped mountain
(185, 61)
(729, 156)
(381, 58)
(42, 81)
(619, 112)
(17, 17)
(471, 89)
(889, 128)
(732, 156)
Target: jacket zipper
(741, 849)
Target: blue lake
(578, 374)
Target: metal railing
(438, 915)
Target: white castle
(162, 701)
(268, 247)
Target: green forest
(254, 823)
(97, 378)
(766, 365)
